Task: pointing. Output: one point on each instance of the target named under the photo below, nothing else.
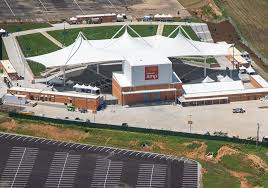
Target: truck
(71, 107)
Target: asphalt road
(38, 162)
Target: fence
(84, 124)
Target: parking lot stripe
(49, 141)
(107, 173)
(18, 167)
(62, 170)
(151, 175)
(90, 147)
(61, 143)
(37, 140)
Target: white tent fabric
(84, 51)
(250, 70)
(208, 80)
(242, 68)
(78, 86)
(226, 79)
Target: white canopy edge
(84, 51)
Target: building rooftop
(260, 80)
(8, 66)
(141, 60)
(121, 79)
(212, 87)
(68, 94)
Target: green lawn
(101, 32)
(169, 28)
(36, 68)
(210, 60)
(15, 27)
(217, 177)
(35, 44)
(4, 52)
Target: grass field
(4, 52)
(251, 19)
(169, 28)
(36, 68)
(102, 32)
(216, 172)
(15, 27)
(35, 44)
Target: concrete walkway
(17, 58)
(52, 39)
(58, 74)
(160, 28)
(99, 25)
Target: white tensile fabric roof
(212, 87)
(84, 51)
(208, 80)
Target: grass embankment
(169, 28)
(100, 32)
(36, 44)
(251, 19)
(217, 172)
(16, 27)
(210, 60)
(4, 52)
(36, 68)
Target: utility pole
(190, 122)
(258, 131)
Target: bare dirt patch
(225, 150)
(44, 130)
(258, 162)
(242, 178)
(199, 152)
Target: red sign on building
(151, 73)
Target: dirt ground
(224, 31)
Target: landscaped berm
(225, 164)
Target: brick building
(146, 80)
(85, 101)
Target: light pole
(258, 132)
(190, 122)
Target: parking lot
(38, 162)
(205, 118)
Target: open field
(219, 171)
(101, 32)
(169, 28)
(36, 44)
(16, 27)
(251, 19)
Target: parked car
(82, 110)
(239, 110)
(265, 140)
(34, 104)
